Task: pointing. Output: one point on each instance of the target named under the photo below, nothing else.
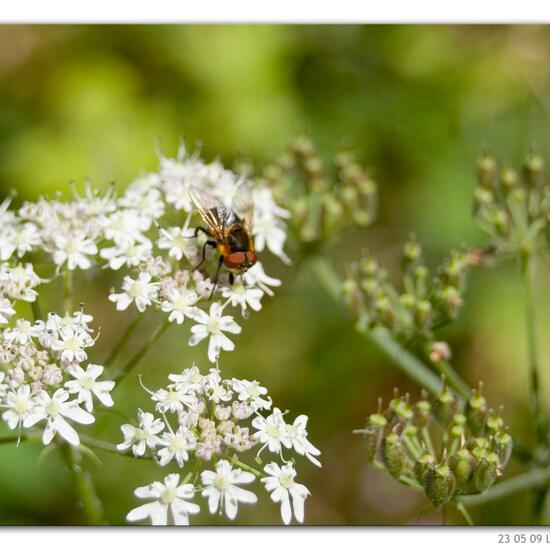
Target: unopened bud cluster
(421, 304)
(513, 207)
(321, 201)
(439, 445)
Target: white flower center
(135, 290)
(22, 406)
(72, 343)
(213, 326)
(52, 408)
(176, 444)
(168, 495)
(71, 246)
(172, 396)
(180, 303)
(180, 242)
(222, 482)
(140, 435)
(87, 382)
(274, 431)
(286, 480)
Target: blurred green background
(417, 103)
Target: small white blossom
(86, 386)
(19, 404)
(144, 436)
(222, 488)
(252, 392)
(212, 325)
(131, 255)
(176, 446)
(297, 435)
(6, 311)
(271, 431)
(256, 276)
(74, 249)
(245, 296)
(169, 496)
(280, 483)
(179, 302)
(141, 291)
(179, 241)
(56, 410)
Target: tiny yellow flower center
(176, 444)
(71, 246)
(286, 480)
(22, 406)
(87, 382)
(274, 431)
(72, 343)
(140, 434)
(222, 482)
(135, 290)
(213, 326)
(168, 495)
(52, 408)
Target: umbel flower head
(210, 428)
(148, 236)
(439, 445)
(45, 379)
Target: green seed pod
(503, 444)
(534, 167)
(439, 485)
(412, 251)
(476, 413)
(509, 179)
(462, 464)
(369, 266)
(487, 171)
(422, 413)
(422, 465)
(393, 454)
(486, 472)
(494, 423)
(400, 409)
(445, 406)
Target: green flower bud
(422, 413)
(412, 250)
(393, 454)
(487, 170)
(399, 408)
(494, 423)
(509, 179)
(422, 465)
(369, 267)
(534, 166)
(439, 485)
(352, 295)
(476, 413)
(462, 464)
(503, 444)
(445, 406)
(486, 472)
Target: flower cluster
(421, 306)
(45, 378)
(148, 235)
(203, 419)
(321, 204)
(513, 208)
(440, 446)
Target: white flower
(87, 386)
(22, 239)
(173, 398)
(55, 409)
(74, 249)
(271, 431)
(269, 233)
(23, 332)
(189, 380)
(125, 227)
(6, 311)
(179, 241)
(128, 254)
(176, 446)
(71, 343)
(214, 325)
(280, 483)
(141, 291)
(169, 497)
(221, 488)
(180, 302)
(240, 295)
(297, 435)
(255, 276)
(19, 404)
(252, 392)
(143, 436)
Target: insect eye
(235, 260)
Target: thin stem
(36, 313)
(127, 368)
(130, 329)
(538, 477)
(87, 498)
(454, 380)
(534, 390)
(68, 290)
(247, 468)
(462, 509)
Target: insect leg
(231, 279)
(200, 229)
(203, 254)
(215, 281)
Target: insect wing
(242, 204)
(208, 206)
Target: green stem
(130, 329)
(127, 368)
(247, 468)
(35, 306)
(454, 380)
(85, 491)
(538, 477)
(68, 290)
(534, 390)
(462, 509)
